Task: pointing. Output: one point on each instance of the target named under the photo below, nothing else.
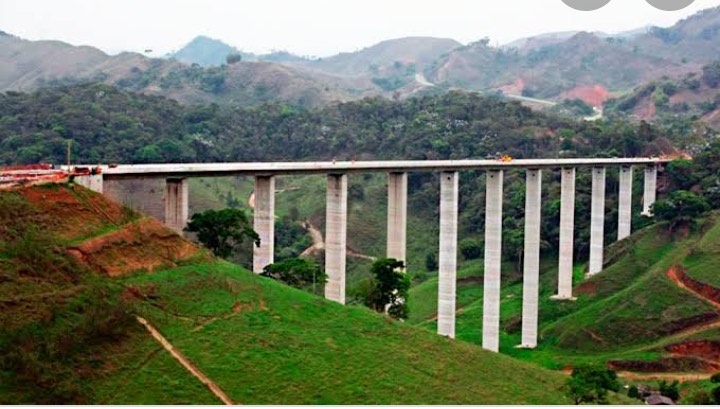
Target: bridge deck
(300, 168)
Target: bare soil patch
(145, 245)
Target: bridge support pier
(625, 202)
(176, 204)
(531, 263)
(336, 237)
(397, 216)
(264, 222)
(650, 194)
(447, 260)
(493, 260)
(567, 231)
(597, 222)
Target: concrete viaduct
(162, 191)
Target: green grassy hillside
(69, 334)
(631, 311)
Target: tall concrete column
(531, 264)
(264, 222)
(493, 260)
(650, 194)
(397, 216)
(597, 222)
(176, 204)
(567, 231)
(336, 237)
(447, 261)
(625, 202)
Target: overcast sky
(311, 27)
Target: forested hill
(108, 125)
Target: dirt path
(189, 366)
(251, 198)
(675, 274)
(319, 243)
(667, 376)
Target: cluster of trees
(590, 384)
(694, 187)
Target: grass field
(276, 345)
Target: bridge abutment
(145, 195)
(176, 204)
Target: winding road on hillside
(317, 237)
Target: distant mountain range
(553, 66)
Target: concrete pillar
(597, 222)
(625, 202)
(531, 264)
(567, 231)
(650, 194)
(176, 204)
(447, 261)
(92, 182)
(264, 222)
(397, 216)
(336, 237)
(493, 260)
(144, 195)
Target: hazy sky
(311, 27)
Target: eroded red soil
(145, 245)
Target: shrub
(297, 273)
(470, 249)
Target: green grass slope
(69, 334)
(265, 343)
(631, 311)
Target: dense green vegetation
(108, 125)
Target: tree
(588, 384)
(388, 288)
(297, 273)
(681, 207)
(670, 390)
(711, 74)
(233, 58)
(431, 263)
(471, 249)
(222, 231)
(716, 395)
(634, 393)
